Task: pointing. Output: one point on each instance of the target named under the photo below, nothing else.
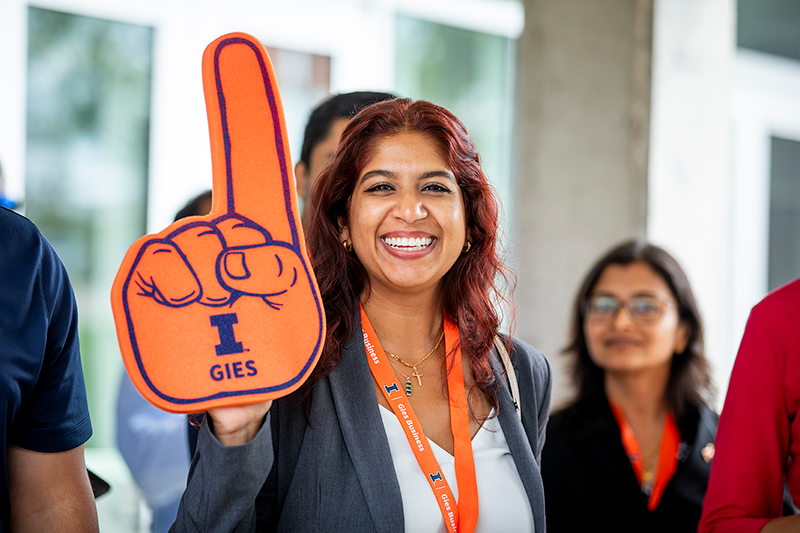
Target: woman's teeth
(408, 245)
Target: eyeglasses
(604, 308)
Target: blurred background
(597, 120)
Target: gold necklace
(648, 470)
(407, 377)
(416, 373)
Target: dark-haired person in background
(322, 134)
(633, 450)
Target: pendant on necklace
(408, 386)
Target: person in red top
(759, 434)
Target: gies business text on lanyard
(461, 516)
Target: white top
(503, 503)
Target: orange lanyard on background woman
(461, 516)
(667, 456)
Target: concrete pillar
(622, 131)
(582, 142)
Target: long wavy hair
(689, 384)
(471, 287)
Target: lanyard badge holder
(461, 516)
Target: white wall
(765, 103)
(689, 178)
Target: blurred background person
(632, 451)
(154, 443)
(322, 134)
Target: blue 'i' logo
(227, 339)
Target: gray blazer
(326, 465)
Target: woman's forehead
(631, 279)
(405, 149)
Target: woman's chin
(407, 282)
(632, 366)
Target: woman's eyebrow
(652, 294)
(372, 173)
(439, 174)
(391, 175)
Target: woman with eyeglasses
(633, 450)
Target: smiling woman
(634, 448)
(407, 222)
(402, 236)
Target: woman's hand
(238, 424)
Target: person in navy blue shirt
(44, 417)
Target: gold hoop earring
(347, 246)
(466, 247)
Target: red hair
(469, 288)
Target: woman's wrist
(234, 426)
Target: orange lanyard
(461, 516)
(667, 455)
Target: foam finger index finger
(252, 175)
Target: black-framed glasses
(643, 308)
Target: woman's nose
(409, 207)
(622, 318)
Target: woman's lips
(408, 244)
(613, 343)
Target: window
(784, 212)
(471, 74)
(88, 121)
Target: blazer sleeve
(544, 379)
(223, 484)
(536, 384)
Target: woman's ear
(301, 180)
(344, 232)
(681, 337)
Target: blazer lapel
(603, 448)
(364, 436)
(519, 445)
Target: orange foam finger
(245, 115)
(224, 309)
